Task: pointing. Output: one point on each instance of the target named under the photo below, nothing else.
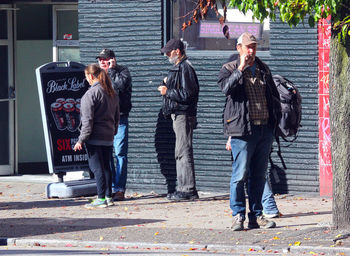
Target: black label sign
(61, 86)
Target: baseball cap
(106, 54)
(173, 44)
(246, 39)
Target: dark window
(34, 22)
(3, 24)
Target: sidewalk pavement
(149, 220)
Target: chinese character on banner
(325, 159)
(67, 37)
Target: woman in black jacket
(99, 112)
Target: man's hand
(162, 89)
(78, 146)
(246, 60)
(228, 144)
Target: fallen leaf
(276, 238)
(157, 233)
(68, 245)
(297, 243)
(101, 238)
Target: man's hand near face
(246, 60)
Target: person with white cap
(180, 91)
(251, 114)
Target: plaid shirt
(256, 92)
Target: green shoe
(97, 203)
(109, 201)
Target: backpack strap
(279, 153)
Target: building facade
(136, 30)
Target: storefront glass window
(68, 53)
(208, 34)
(3, 24)
(67, 25)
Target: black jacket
(236, 112)
(121, 81)
(183, 89)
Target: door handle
(12, 92)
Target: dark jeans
(99, 158)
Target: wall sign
(61, 86)
(210, 29)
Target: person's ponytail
(102, 77)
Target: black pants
(99, 163)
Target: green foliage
(294, 12)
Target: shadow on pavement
(72, 252)
(300, 214)
(166, 201)
(41, 204)
(22, 227)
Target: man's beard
(174, 59)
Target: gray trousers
(183, 126)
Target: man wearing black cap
(121, 81)
(180, 91)
(251, 114)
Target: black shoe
(178, 196)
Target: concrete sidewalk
(149, 220)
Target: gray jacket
(99, 116)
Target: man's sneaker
(261, 222)
(109, 201)
(178, 196)
(97, 203)
(237, 223)
(119, 196)
(272, 215)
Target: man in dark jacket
(180, 91)
(121, 81)
(251, 114)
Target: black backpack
(291, 108)
(289, 124)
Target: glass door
(7, 92)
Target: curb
(166, 246)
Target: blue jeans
(119, 170)
(250, 159)
(268, 199)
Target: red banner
(325, 160)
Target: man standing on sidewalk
(251, 114)
(121, 81)
(180, 91)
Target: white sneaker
(109, 201)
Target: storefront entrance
(7, 93)
(31, 34)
